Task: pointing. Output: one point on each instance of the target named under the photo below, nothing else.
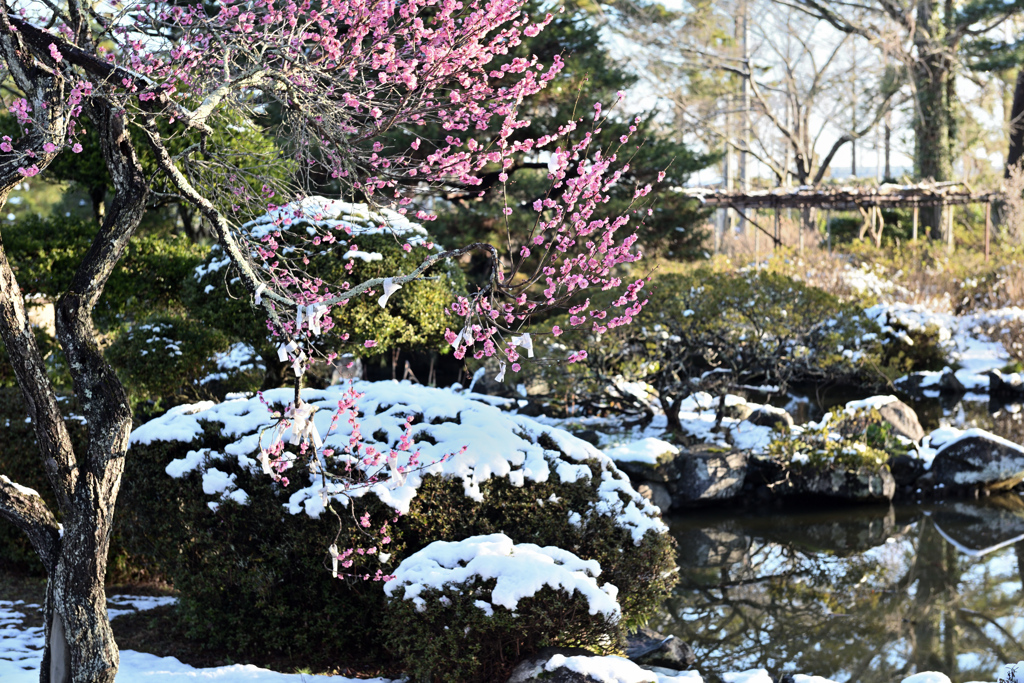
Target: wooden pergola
(869, 201)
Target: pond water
(867, 594)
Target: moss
(852, 442)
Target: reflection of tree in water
(909, 603)
(1005, 419)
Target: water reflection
(855, 595)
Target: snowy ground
(21, 652)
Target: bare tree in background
(932, 40)
(797, 73)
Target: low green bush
(167, 360)
(718, 330)
(250, 560)
(44, 253)
(861, 439)
(469, 611)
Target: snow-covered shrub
(249, 555)
(721, 329)
(368, 246)
(164, 359)
(470, 610)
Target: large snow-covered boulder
(228, 533)
(977, 458)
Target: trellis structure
(869, 201)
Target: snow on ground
(649, 451)
(964, 337)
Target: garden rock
(903, 420)
(656, 493)
(709, 476)
(590, 436)
(739, 411)
(948, 382)
(647, 647)
(646, 460)
(862, 485)
(532, 667)
(906, 469)
(980, 459)
(1009, 385)
(770, 416)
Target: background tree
(932, 40)
(797, 82)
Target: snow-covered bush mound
(454, 437)
(342, 242)
(518, 570)
(470, 609)
(229, 534)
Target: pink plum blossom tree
(326, 80)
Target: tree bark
(1016, 150)
(79, 597)
(79, 645)
(932, 117)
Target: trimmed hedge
(168, 360)
(256, 577)
(412, 320)
(21, 462)
(470, 611)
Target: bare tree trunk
(79, 645)
(1016, 125)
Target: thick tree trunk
(1016, 150)
(931, 133)
(933, 116)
